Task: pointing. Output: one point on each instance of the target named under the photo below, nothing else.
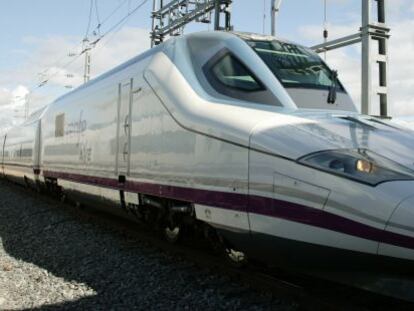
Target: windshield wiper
(332, 88)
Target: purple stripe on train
(256, 204)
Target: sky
(37, 37)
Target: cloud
(12, 106)
(5, 96)
(20, 92)
(46, 58)
(125, 44)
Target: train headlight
(358, 164)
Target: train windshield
(295, 66)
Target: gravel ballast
(51, 259)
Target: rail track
(306, 293)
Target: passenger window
(232, 73)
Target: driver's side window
(229, 76)
(230, 72)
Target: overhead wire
(58, 60)
(44, 76)
(126, 17)
(98, 19)
(119, 23)
(89, 18)
(97, 28)
(76, 56)
(114, 28)
(46, 80)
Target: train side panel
(2, 142)
(78, 142)
(79, 134)
(171, 161)
(83, 143)
(21, 153)
(295, 210)
(117, 136)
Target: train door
(37, 151)
(3, 145)
(124, 127)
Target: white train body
(20, 151)
(248, 157)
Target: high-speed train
(252, 136)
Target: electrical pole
(274, 12)
(366, 77)
(217, 11)
(87, 67)
(153, 19)
(369, 32)
(325, 25)
(26, 106)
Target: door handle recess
(126, 125)
(125, 152)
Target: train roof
(260, 37)
(149, 52)
(192, 51)
(112, 71)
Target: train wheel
(26, 182)
(172, 234)
(38, 187)
(235, 258)
(79, 205)
(220, 246)
(63, 198)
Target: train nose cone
(398, 239)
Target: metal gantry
(371, 31)
(170, 17)
(26, 107)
